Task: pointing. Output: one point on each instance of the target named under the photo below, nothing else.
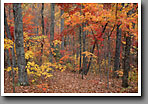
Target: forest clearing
(71, 48)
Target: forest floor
(70, 82)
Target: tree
(128, 37)
(52, 28)
(126, 62)
(117, 52)
(9, 37)
(118, 44)
(62, 27)
(43, 33)
(19, 43)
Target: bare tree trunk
(52, 22)
(13, 72)
(84, 58)
(126, 62)
(9, 37)
(80, 46)
(109, 60)
(43, 33)
(52, 28)
(19, 43)
(62, 27)
(98, 61)
(117, 52)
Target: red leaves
(62, 51)
(12, 32)
(44, 89)
(68, 6)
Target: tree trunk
(42, 14)
(109, 60)
(8, 58)
(19, 43)
(13, 72)
(52, 22)
(126, 62)
(84, 58)
(80, 46)
(98, 61)
(117, 52)
(8, 34)
(43, 33)
(62, 27)
(52, 28)
(92, 51)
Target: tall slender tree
(126, 62)
(62, 27)
(118, 44)
(19, 43)
(8, 35)
(52, 28)
(117, 51)
(43, 33)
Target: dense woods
(71, 47)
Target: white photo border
(71, 94)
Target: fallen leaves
(68, 82)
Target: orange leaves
(89, 54)
(74, 19)
(120, 72)
(43, 86)
(64, 58)
(65, 15)
(87, 28)
(44, 89)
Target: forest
(71, 48)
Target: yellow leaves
(8, 43)
(124, 42)
(38, 38)
(89, 54)
(38, 71)
(60, 67)
(57, 42)
(87, 16)
(65, 15)
(32, 67)
(94, 18)
(33, 81)
(8, 69)
(28, 54)
(120, 72)
(100, 6)
(130, 26)
(25, 36)
(104, 62)
(16, 69)
(48, 75)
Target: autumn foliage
(83, 50)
